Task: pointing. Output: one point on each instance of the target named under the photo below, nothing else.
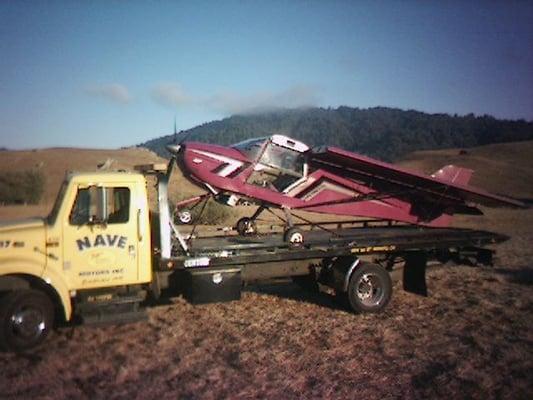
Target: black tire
(26, 318)
(246, 227)
(294, 237)
(369, 289)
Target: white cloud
(112, 91)
(234, 103)
(172, 95)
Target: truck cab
(96, 237)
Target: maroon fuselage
(228, 170)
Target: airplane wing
(447, 187)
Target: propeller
(175, 147)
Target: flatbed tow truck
(101, 254)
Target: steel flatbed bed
(257, 249)
(357, 262)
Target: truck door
(100, 238)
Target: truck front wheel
(369, 289)
(26, 317)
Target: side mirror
(100, 206)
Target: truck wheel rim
(28, 323)
(369, 290)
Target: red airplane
(279, 172)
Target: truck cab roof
(108, 176)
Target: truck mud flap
(414, 273)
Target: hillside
(505, 168)
(56, 162)
(380, 132)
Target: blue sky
(110, 73)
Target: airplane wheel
(294, 237)
(246, 226)
(185, 216)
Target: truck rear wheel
(369, 289)
(26, 318)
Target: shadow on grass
(286, 289)
(521, 275)
(527, 201)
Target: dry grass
(56, 162)
(500, 168)
(471, 338)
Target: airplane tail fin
(453, 174)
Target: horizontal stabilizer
(454, 174)
(447, 187)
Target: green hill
(380, 132)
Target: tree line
(380, 132)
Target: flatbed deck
(234, 250)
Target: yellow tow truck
(101, 252)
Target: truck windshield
(51, 219)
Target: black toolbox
(208, 285)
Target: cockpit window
(276, 166)
(290, 161)
(251, 147)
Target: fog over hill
(385, 133)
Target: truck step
(112, 314)
(104, 319)
(103, 310)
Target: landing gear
(246, 226)
(294, 237)
(185, 217)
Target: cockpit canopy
(276, 151)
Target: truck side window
(119, 207)
(113, 204)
